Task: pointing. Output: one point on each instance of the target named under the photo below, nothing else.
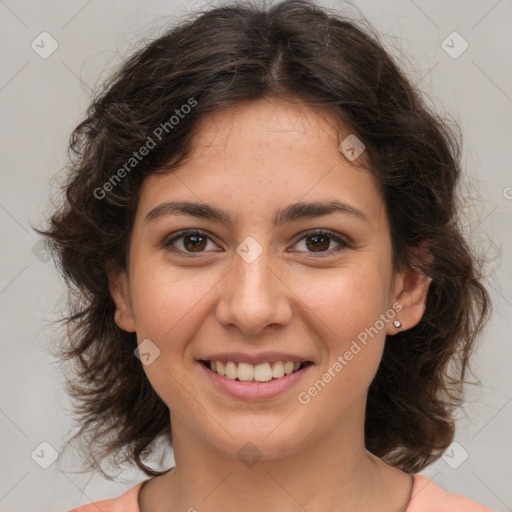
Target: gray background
(41, 101)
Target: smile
(245, 381)
(248, 372)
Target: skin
(251, 160)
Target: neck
(333, 473)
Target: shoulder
(427, 496)
(128, 502)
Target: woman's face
(265, 285)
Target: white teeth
(221, 368)
(288, 367)
(262, 372)
(247, 372)
(278, 370)
(231, 372)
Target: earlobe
(411, 293)
(120, 292)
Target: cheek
(346, 310)
(169, 308)
(345, 320)
(346, 300)
(167, 301)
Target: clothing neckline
(415, 483)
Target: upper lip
(263, 357)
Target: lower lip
(254, 390)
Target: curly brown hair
(221, 57)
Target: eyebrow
(290, 213)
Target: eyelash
(344, 244)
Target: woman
(261, 227)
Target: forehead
(267, 129)
(265, 154)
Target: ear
(120, 292)
(410, 291)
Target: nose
(254, 296)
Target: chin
(263, 444)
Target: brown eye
(188, 243)
(194, 242)
(319, 242)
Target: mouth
(247, 372)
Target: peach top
(427, 496)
